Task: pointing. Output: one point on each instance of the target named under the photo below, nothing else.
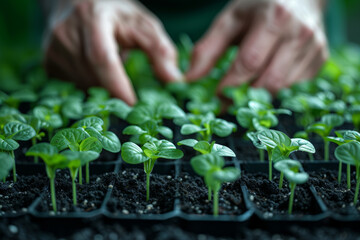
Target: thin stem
(291, 200)
(74, 191)
(216, 203)
(4, 179)
(281, 180)
(52, 190)
(262, 155)
(147, 186)
(209, 193)
(326, 150)
(87, 173)
(348, 175)
(80, 175)
(339, 173)
(50, 133)
(36, 158)
(14, 165)
(356, 190)
(311, 157)
(270, 166)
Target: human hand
(83, 39)
(280, 42)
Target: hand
(82, 44)
(280, 42)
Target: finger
(102, 53)
(209, 49)
(151, 37)
(258, 46)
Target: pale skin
(280, 42)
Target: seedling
(51, 119)
(6, 163)
(12, 132)
(204, 147)
(15, 98)
(279, 146)
(53, 161)
(324, 127)
(148, 154)
(291, 170)
(205, 126)
(211, 167)
(349, 153)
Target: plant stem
(326, 150)
(311, 157)
(147, 186)
(87, 173)
(348, 175)
(262, 155)
(74, 191)
(14, 166)
(356, 191)
(281, 180)
(216, 203)
(209, 193)
(270, 166)
(339, 173)
(80, 175)
(4, 179)
(291, 200)
(36, 158)
(52, 190)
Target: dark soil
(336, 197)
(16, 197)
(268, 198)
(129, 193)
(89, 196)
(194, 197)
(247, 152)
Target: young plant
(53, 161)
(6, 163)
(324, 127)
(15, 98)
(349, 153)
(50, 119)
(11, 133)
(211, 167)
(291, 169)
(279, 146)
(205, 126)
(148, 154)
(204, 147)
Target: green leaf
(352, 135)
(8, 144)
(133, 130)
(319, 128)
(53, 119)
(348, 153)
(132, 153)
(228, 174)
(68, 138)
(245, 116)
(98, 94)
(118, 108)
(332, 120)
(72, 108)
(304, 145)
(6, 163)
(42, 150)
(222, 150)
(291, 170)
(19, 131)
(204, 163)
(336, 140)
(222, 128)
(110, 142)
(170, 154)
(140, 114)
(253, 136)
(90, 144)
(273, 138)
(169, 111)
(166, 132)
(203, 147)
(187, 129)
(94, 122)
(188, 142)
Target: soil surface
(193, 195)
(336, 196)
(269, 199)
(129, 193)
(17, 197)
(89, 196)
(247, 152)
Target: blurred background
(22, 25)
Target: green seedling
(53, 161)
(205, 126)
(11, 133)
(324, 127)
(19, 96)
(6, 163)
(148, 154)
(279, 146)
(211, 167)
(259, 116)
(51, 120)
(204, 147)
(291, 170)
(349, 153)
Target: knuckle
(251, 60)
(279, 18)
(165, 49)
(306, 33)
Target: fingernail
(174, 72)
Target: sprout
(291, 170)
